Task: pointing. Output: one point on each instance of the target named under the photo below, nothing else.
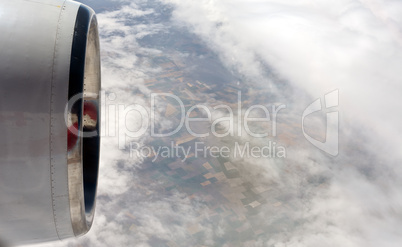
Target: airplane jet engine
(49, 119)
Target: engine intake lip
(84, 121)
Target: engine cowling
(49, 119)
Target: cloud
(316, 47)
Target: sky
(347, 193)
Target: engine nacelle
(49, 119)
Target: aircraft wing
(49, 119)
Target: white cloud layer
(319, 46)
